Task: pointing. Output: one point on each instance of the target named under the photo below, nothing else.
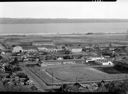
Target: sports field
(81, 74)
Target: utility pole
(127, 34)
(76, 77)
(62, 87)
(52, 80)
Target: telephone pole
(52, 80)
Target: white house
(30, 49)
(100, 60)
(76, 50)
(105, 62)
(94, 58)
(59, 58)
(49, 49)
(43, 42)
(17, 49)
(2, 53)
(42, 48)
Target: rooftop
(44, 40)
(29, 47)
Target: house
(29, 49)
(104, 62)
(42, 48)
(25, 43)
(48, 49)
(60, 58)
(17, 49)
(43, 42)
(2, 47)
(94, 58)
(76, 50)
(100, 60)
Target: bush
(34, 88)
(17, 69)
(22, 75)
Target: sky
(103, 10)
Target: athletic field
(79, 73)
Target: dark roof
(77, 84)
(25, 44)
(47, 46)
(46, 40)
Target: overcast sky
(117, 9)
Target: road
(37, 81)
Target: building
(29, 49)
(25, 43)
(17, 49)
(100, 60)
(60, 58)
(104, 62)
(76, 50)
(43, 42)
(48, 49)
(2, 47)
(42, 48)
(94, 58)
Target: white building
(17, 49)
(76, 50)
(30, 49)
(100, 60)
(49, 49)
(43, 43)
(94, 58)
(60, 58)
(2, 53)
(105, 62)
(42, 48)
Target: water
(63, 28)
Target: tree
(15, 61)
(8, 68)
(124, 87)
(67, 52)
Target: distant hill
(36, 21)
